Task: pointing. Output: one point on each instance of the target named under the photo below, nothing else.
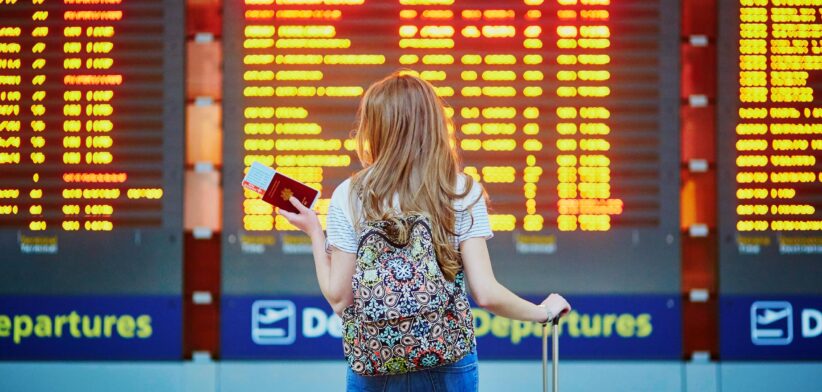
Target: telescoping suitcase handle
(554, 356)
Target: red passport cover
(282, 187)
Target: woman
(411, 169)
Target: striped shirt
(469, 223)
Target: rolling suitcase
(554, 356)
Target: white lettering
(315, 322)
(811, 316)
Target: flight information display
(90, 146)
(564, 110)
(770, 147)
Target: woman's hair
(409, 160)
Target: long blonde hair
(407, 152)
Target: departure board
(91, 146)
(564, 110)
(770, 146)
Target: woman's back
(405, 315)
(402, 290)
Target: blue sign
(600, 327)
(770, 328)
(90, 327)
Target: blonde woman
(399, 282)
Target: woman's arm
(493, 296)
(335, 271)
(340, 291)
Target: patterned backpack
(406, 316)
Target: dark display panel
(565, 111)
(770, 147)
(91, 146)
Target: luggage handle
(554, 356)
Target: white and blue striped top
(340, 224)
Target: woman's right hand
(306, 219)
(556, 306)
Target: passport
(276, 188)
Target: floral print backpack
(406, 316)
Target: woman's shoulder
(339, 204)
(464, 181)
(340, 195)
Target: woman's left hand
(306, 220)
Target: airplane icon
(771, 323)
(273, 322)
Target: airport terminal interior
(656, 162)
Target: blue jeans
(457, 377)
